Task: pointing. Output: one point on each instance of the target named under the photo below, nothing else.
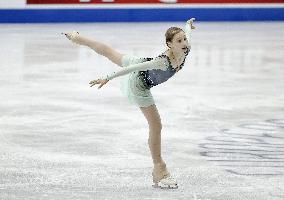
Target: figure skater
(141, 74)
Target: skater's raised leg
(98, 47)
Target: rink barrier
(140, 15)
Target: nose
(185, 43)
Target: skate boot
(73, 37)
(162, 178)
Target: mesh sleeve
(156, 63)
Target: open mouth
(185, 50)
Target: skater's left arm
(102, 82)
(156, 63)
(188, 28)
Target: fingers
(101, 85)
(99, 81)
(191, 20)
(94, 82)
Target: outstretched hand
(190, 21)
(98, 81)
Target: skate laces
(168, 180)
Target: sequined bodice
(155, 77)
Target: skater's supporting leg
(161, 176)
(155, 126)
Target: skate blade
(162, 186)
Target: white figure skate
(72, 36)
(166, 183)
(162, 178)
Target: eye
(185, 39)
(179, 41)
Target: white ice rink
(222, 115)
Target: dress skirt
(133, 85)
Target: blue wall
(140, 15)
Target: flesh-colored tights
(155, 126)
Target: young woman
(140, 74)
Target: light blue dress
(140, 74)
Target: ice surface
(222, 114)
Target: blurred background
(139, 10)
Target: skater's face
(179, 43)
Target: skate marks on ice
(252, 149)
